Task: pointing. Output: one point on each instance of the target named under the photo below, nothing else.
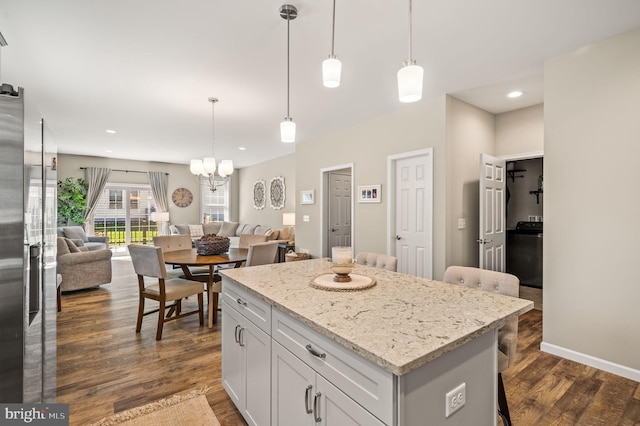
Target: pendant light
(410, 76)
(206, 167)
(331, 67)
(288, 127)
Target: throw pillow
(183, 229)
(284, 234)
(240, 229)
(228, 229)
(211, 228)
(262, 230)
(73, 248)
(76, 233)
(250, 229)
(196, 231)
(275, 233)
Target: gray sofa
(81, 268)
(81, 239)
(232, 230)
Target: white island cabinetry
(295, 355)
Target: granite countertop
(399, 324)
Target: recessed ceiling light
(108, 151)
(515, 94)
(111, 131)
(241, 148)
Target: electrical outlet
(455, 399)
(462, 223)
(303, 250)
(305, 218)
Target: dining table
(190, 257)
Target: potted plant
(72, 201)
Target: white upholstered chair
(262, 253)
(247, 239)
(170, 243)
(495, 282)
(382, 261)
(149, 262)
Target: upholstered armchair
(81, 239)
(82, 269)
(382, 261)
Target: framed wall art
(307, 197)
(277, 192)
(259, 195)
(369, 194)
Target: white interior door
(413, 215)
(339, 223)
(492, 213)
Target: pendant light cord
(410, 30)
(213, 126)
(288, 47)
(333, 29)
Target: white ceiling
(145, 68)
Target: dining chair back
(501, 283)
(172, 242)
(382, 261)
(262, 253)
(247, 239)
(148, 261)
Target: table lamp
(289, 219)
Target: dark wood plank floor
(105, 367)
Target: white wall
(283, 166)
(592, 146)
(520, 131)
(470, 132)
(367, 145)
(179, 177)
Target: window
(126, 222)
(215, 205)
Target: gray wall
(179, 176)
(592, 145)
(283, 166)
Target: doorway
(337, 211)
(410, 211)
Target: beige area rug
(191, 409)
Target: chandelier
(206, 168)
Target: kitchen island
(294, 354)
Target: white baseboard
(608, 366)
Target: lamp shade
(160, 216)
(196, 167)
(288, 130)
(289, 219)
(410, 83)
(209, 165)
(331, 68)
(226, 167)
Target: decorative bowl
(210, 245)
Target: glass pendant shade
(331, 68)
(410, 82)
(225, 167)
(209, 165)
(196, 167)
(288, 130)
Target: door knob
(398, 237)
(333, 230)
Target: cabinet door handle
(307, 399)
(241, 336)
(237, 334)
(316, 407)
(241, 302)
(315, 352)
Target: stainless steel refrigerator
(28, 184)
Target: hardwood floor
(105, 367)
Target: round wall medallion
(182, 197)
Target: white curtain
(97, 179)
(159, 183)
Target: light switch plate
(305, 218)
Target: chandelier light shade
(288, 127)
(332, 67)
(206, 167)
(410, 76)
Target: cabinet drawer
(366, 383)
(253, 308)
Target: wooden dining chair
(149, 262)
(495, 282)
(262, 253)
